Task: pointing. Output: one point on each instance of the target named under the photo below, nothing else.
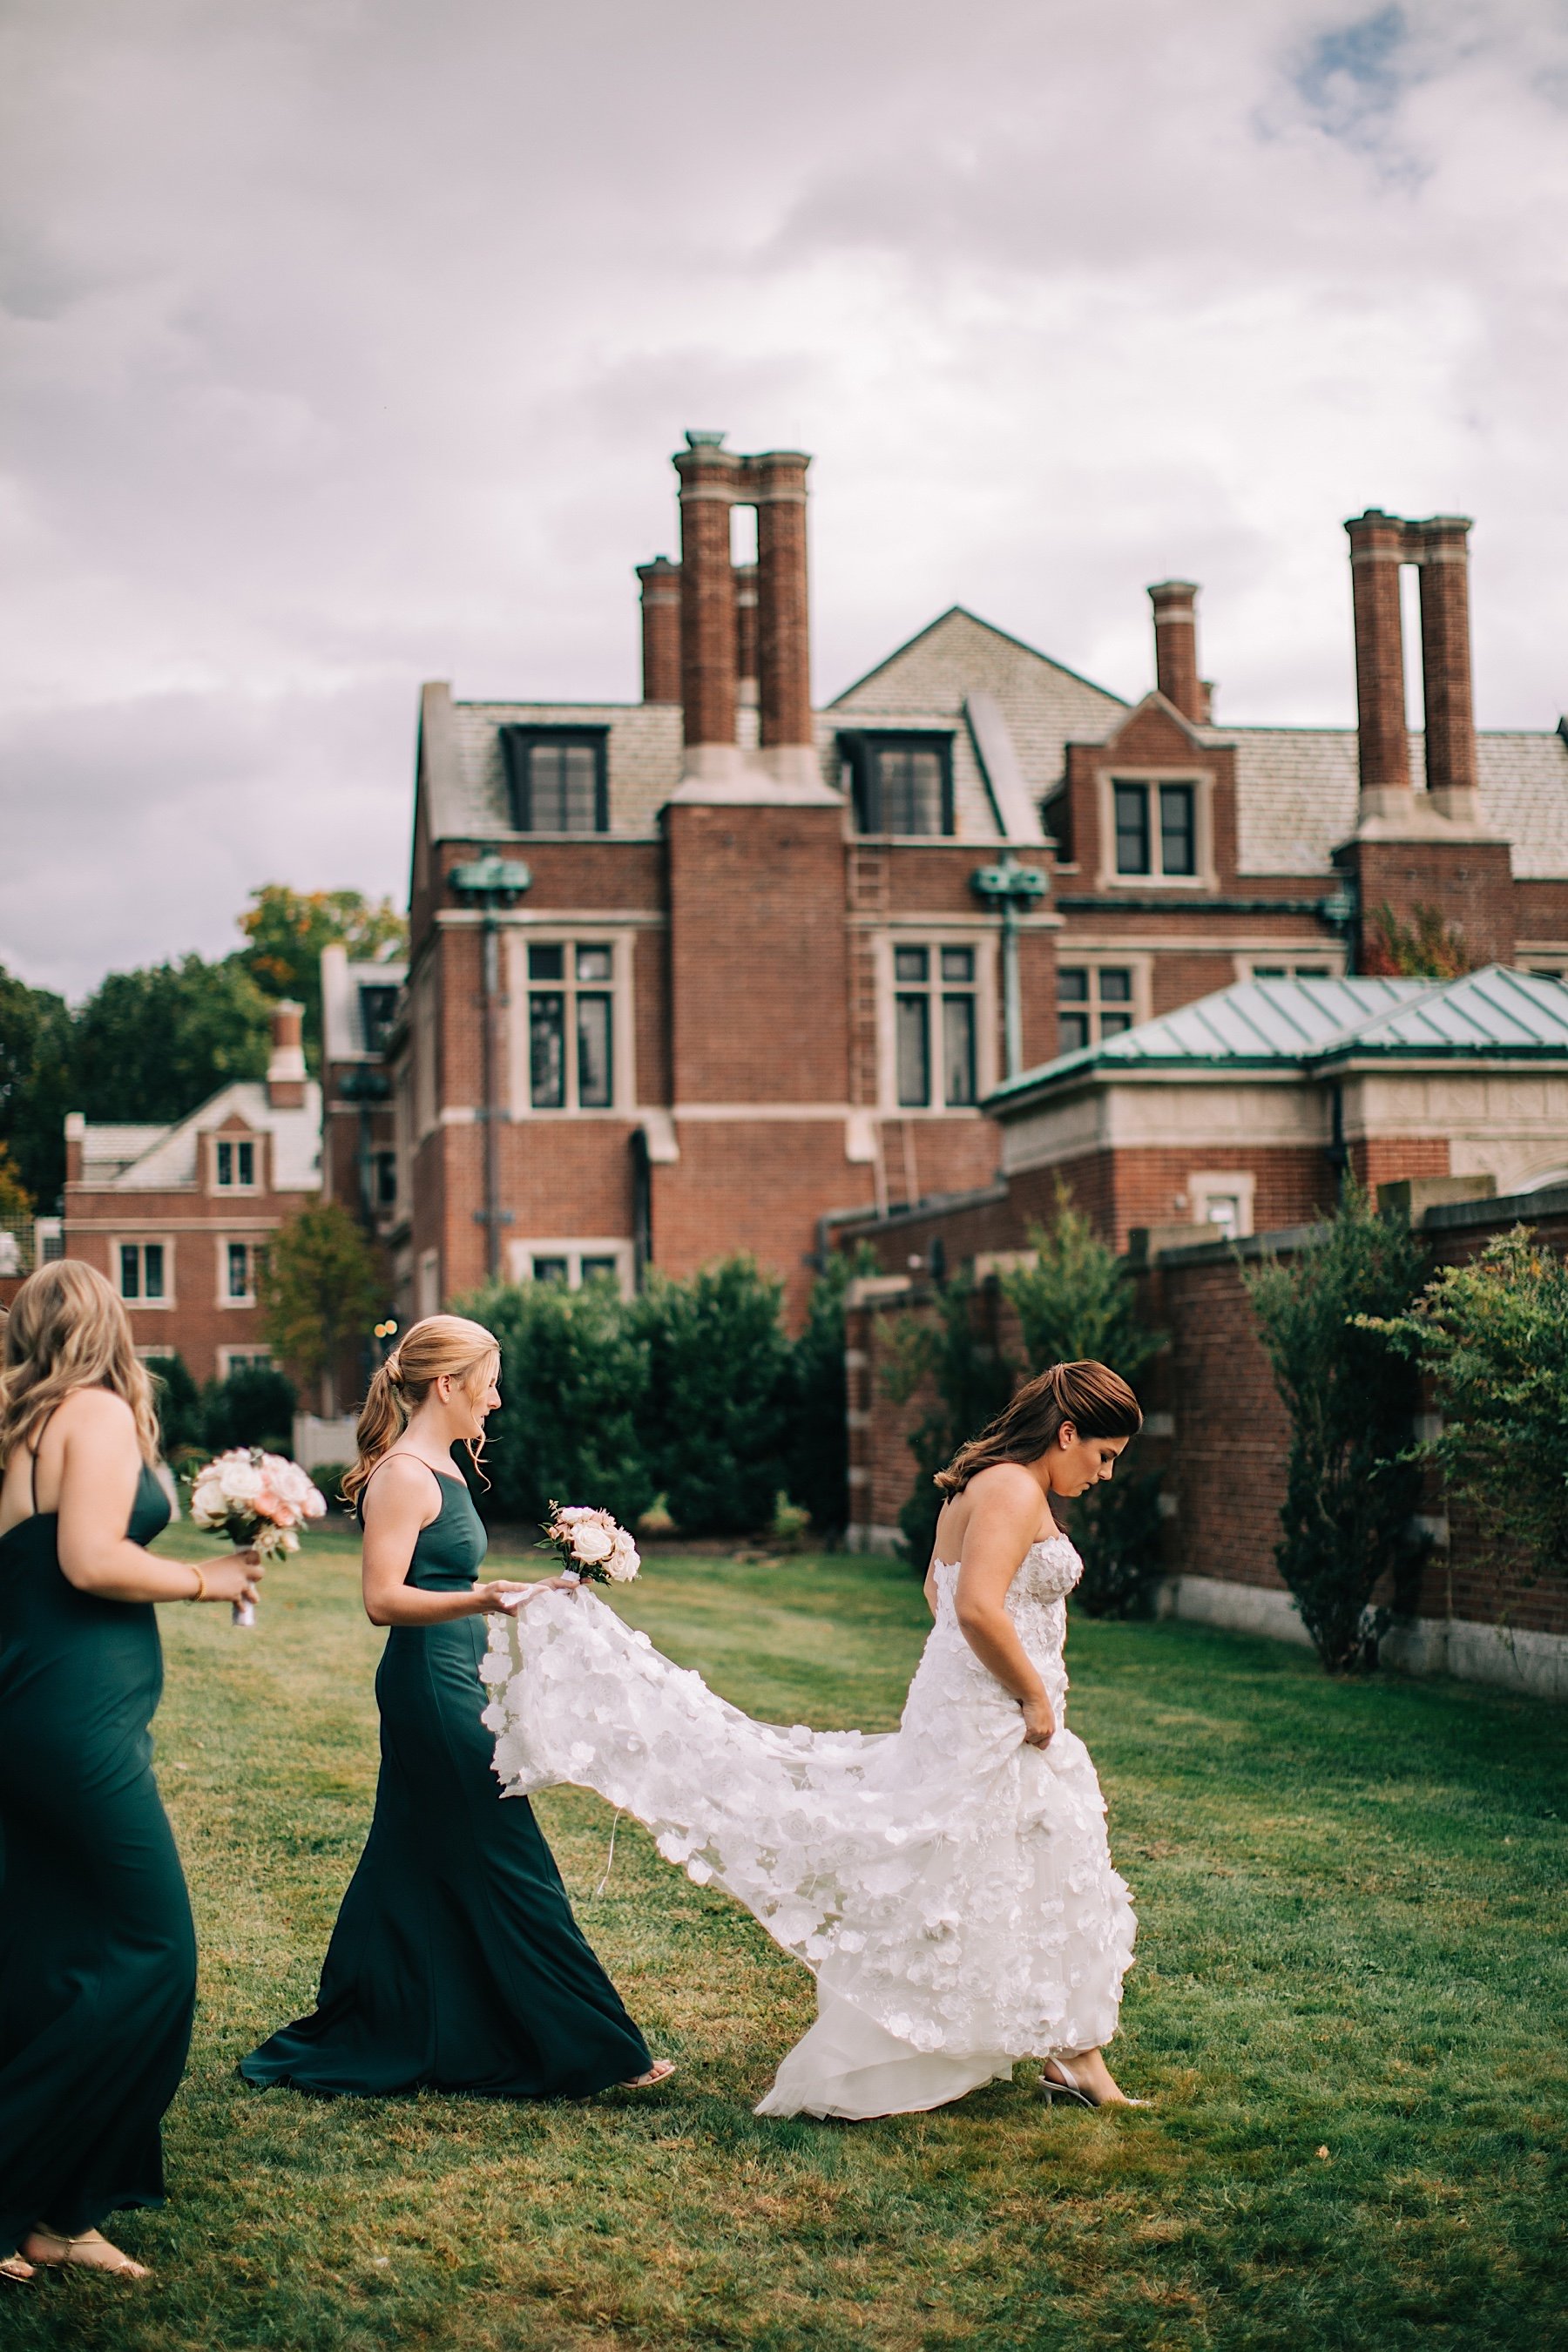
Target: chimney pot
(709, 482)
(660, 630)
(775, 483)
(1441, 545)
(286, 1069)
(1378, 547)
(1176, 648)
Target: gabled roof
(168, 1158)
(1308, 1025)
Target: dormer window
(1156, 829)
(557, 778)
(901, 783)
(236, 1164)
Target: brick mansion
(722, 970)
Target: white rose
(243, 1483)
(591, 1541)
(624, 1562)
(207, 1504)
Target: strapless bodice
(1037, 1597)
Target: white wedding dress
(951, 1888)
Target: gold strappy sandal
(69, 2258)
(17, 2269)
(660, 2072)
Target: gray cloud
(344, 345)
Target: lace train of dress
(951, 1888)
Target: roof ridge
(964, 611)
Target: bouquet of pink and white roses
(257, 1500)
(595, 1549)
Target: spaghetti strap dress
(455, 1963)
(98, 1955)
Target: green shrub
(817, 1455)
(972, 1382)
(573, 1427)
(719, 1394)
(1077, 1301)
(178, 1401)
(254, 1406)
(1492, 1336)
(1352, 1487)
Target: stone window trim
(160, 1271)
(621, 942)
(532, 805)
(1293, 963)
(227, 1245)
(578, 1259)
(230, 1359)
(1204, 877)
(1207, 1189)
(1137, 962)
(934, 937)
(228, 1157)
(861, 750)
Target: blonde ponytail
(442, 1346)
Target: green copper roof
(1306, 1023)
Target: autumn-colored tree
(287, 931)
(321, 1289)
(1429, 947)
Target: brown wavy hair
(67, 1330)
(442, 1345)
(1097, 1400)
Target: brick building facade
(718, 970)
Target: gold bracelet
(201, 1591)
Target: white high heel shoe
(1073, 2092)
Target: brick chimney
(775, 483)
(1377, 551)
(1441, 548)
(286, 1069)
(660, 630)
(710, 480)
(1176, 649)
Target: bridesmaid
(98, 1960)
(456, 1962)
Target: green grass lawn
(1348, 2005)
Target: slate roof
(1304, 1024)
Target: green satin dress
(98, 1956)
(456, 1963)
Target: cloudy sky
(344, 343)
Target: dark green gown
(456, 1962)
(98, 1956)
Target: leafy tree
(155, 1043)
(1429, 947)
(254, 1406)
(16, 1202)
(574, 1384)
(179, 1405)
(817, 1460)
(1492, 1336)
(1076, 1301)
(718, 1394)
(34, 1085)
(971, 1382)
(287, 931)
(322, 1288)
(1352, 1487)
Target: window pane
(247, 1156)
(1177, 846)
(1224, 1209)
(152, 1269)
(129, 1270)
(547, 1051)
(593, 1071)
(225, 1163)
(958, 1048)
(593, 963)
(1111, 1024)
(562, 788)
(1072, 1031)
(547, 963)
(376, 1007)
(911, 964)
(1072, 985)
(550, 1269)
(1269, 972)
(914, 1050)
(596, 1269)
(386, 1179)
(1132, 829)
(1116, 987)
(958, 963)
(238, 1272)
(909, 783)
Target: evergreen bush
(719, 1396)
(178, 1401)
(1077, 1301)
(574, 1423)
(971, 1380)
(817, 1454)
(1352, 1486)
(254, 1406)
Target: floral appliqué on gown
(951, 1888)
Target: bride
(949, 1883)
